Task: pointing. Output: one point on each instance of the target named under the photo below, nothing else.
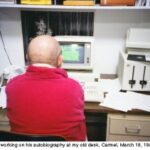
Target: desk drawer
(119, 126)
(129, 125)
(4, 125)
(3, 115)
(4, 121)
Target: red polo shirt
(45, 101)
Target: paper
(126, 101)
(110, 85)
(140, 101)
(118, 101)
(147, 58)
(3, 97)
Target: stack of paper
(125, 101)
(3, 97)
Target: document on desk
(94, 91)
(110, 85)
(3, 97)
(125, 101)
(117, 100)
(140, 101)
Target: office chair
(10, 136)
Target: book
(117, 2)
(79, 2)
(36, 2)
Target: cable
(5, 49)
(1, 80)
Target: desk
(101, 123)
(95, 107)
(113, 125)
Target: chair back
(10, 136)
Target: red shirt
(45, 101)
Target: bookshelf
(110, 26)
(71, 8)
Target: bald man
(44, 100)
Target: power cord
(5, 48)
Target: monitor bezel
(86, 40)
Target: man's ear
(27, 57)
(59, 61)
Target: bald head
(44, 49)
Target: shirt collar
(43, 65)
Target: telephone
(92, 92)
(10, 72)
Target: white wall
(110, 33)
(110, 28)
(10, 27)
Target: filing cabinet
(125, 127)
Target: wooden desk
(103, 124)
(97, 120)
(95, 107)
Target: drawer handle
(133, 130)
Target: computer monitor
(76, 51)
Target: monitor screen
(73, 53)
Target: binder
(36, 2)
(117, 2)
(78, 2)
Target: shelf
(78, 8)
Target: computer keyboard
(91, 86)
(92, 92)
